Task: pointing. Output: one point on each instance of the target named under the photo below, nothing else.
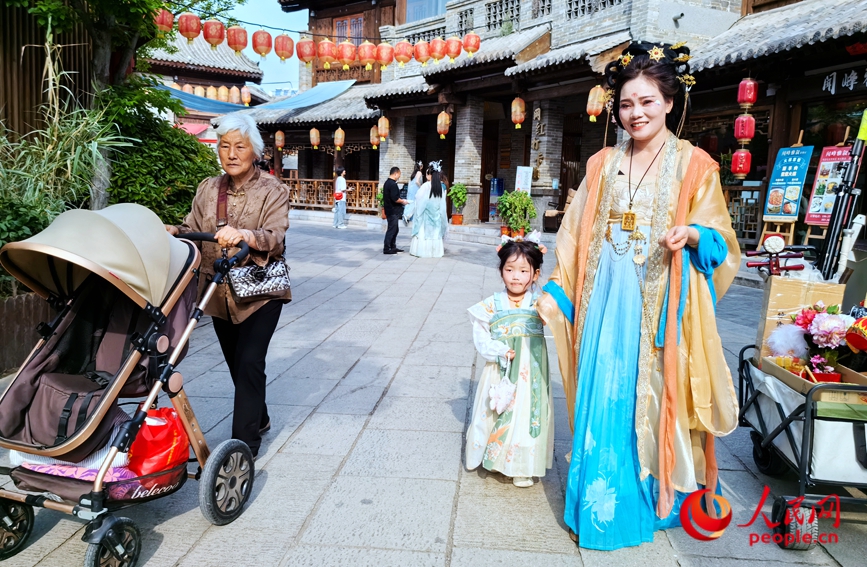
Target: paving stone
(329, 556)
(431, 381)
(213, 384)
(420, 414)
(443, 353)
(658, 553)
(291, 390)
(388, 513)
(406, 454)
(474, 557)
(327, 364)
(326, 434)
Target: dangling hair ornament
(535, 237)
(420, 164)
(436, 165)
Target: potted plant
(504, 209)
(458, 193)
(519, 209)
(380, 201)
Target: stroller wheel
(119, 548)
(798, 528)
(766, 458)
(16, 524)
(226, 482)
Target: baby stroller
(125, 293)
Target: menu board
(787, 184)
(829, 175)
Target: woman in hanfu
(430, 220)
(645, 250)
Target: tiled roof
(782, 29)
(405, 86)
(571, 52)
(199, 56)
(490, 50)
(348, 105)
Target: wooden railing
(319, 194)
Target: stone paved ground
(370, 380)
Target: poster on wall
(787, 184)
(829, 175)
(523, 179)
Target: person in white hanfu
(430, 220)
(512, 427)
(415, 181)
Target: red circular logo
(693, 516)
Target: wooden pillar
(277, 164)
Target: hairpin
(535, 237)
(436, 165)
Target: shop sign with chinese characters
(844, 81)
(786, 184)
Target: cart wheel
(797, 531)
(766, 458)
(123, 551)
(16, 524)
(226, 482)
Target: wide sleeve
(194, 221)
(421, 199)
(480, 315)
(444, 216)
(274, 223)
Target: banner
(787, 184)
(523, 179)
(829, 174)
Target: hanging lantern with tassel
(748, 93)
(236, 37)
(235, 95)
(284, 46)
(741, 162)
(306, 50)
(519, 109)
(745, 128)
(346, 53)
(367, 55)
(164, 21)
(374, 137)
(595, 102)
(472, 43)
(339, 138)
(422, 52)
(223, 93)
(437, 49)
(384, 55)
(279, 140)
(453, 48)
(214, 32)
(262, 43)
(314, 138)
(245, 95)
(189, 26)
(383, 126)
(403, 52)
(327, 52)
(443, 123)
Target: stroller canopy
(124, 244)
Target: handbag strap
(223, 202)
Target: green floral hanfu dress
(512, 427)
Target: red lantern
(164, 21)
(472, 42)
(453, 48)
(748, 92)
(367, 54)
(741, 162)
(346, 53)
(437, 49)
(518, 112)
(314, 138)
(223, 93)
(284, 46)
(745, 128)
(235, 95)
(374, 137)
(236, 37)
(856, 336)
(422, 52)
(443, 123)
(214, 33)
(327, 52)
(339, 138)
(383, 126)
(262, 43)
(595, 102)
(403, 52)
(384, 55)
(306, 50)
(189, 26)
(279, 140)
(245, 95)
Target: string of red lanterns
(745, 128)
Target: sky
(277, 75)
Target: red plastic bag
(161, 443)
(338, 196)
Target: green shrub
(18, 220)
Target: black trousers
(391, 233)
(244, 346)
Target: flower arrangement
(817, 338)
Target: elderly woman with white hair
(257, 212)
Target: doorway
(490, 152)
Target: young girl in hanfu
(512, 428)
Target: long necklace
(629, 218)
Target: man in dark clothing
(393, 205)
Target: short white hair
(244, 124)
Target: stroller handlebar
(243, 252)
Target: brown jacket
(260, 205)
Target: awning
(201, 103)
(194, 129)
(276, 112)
